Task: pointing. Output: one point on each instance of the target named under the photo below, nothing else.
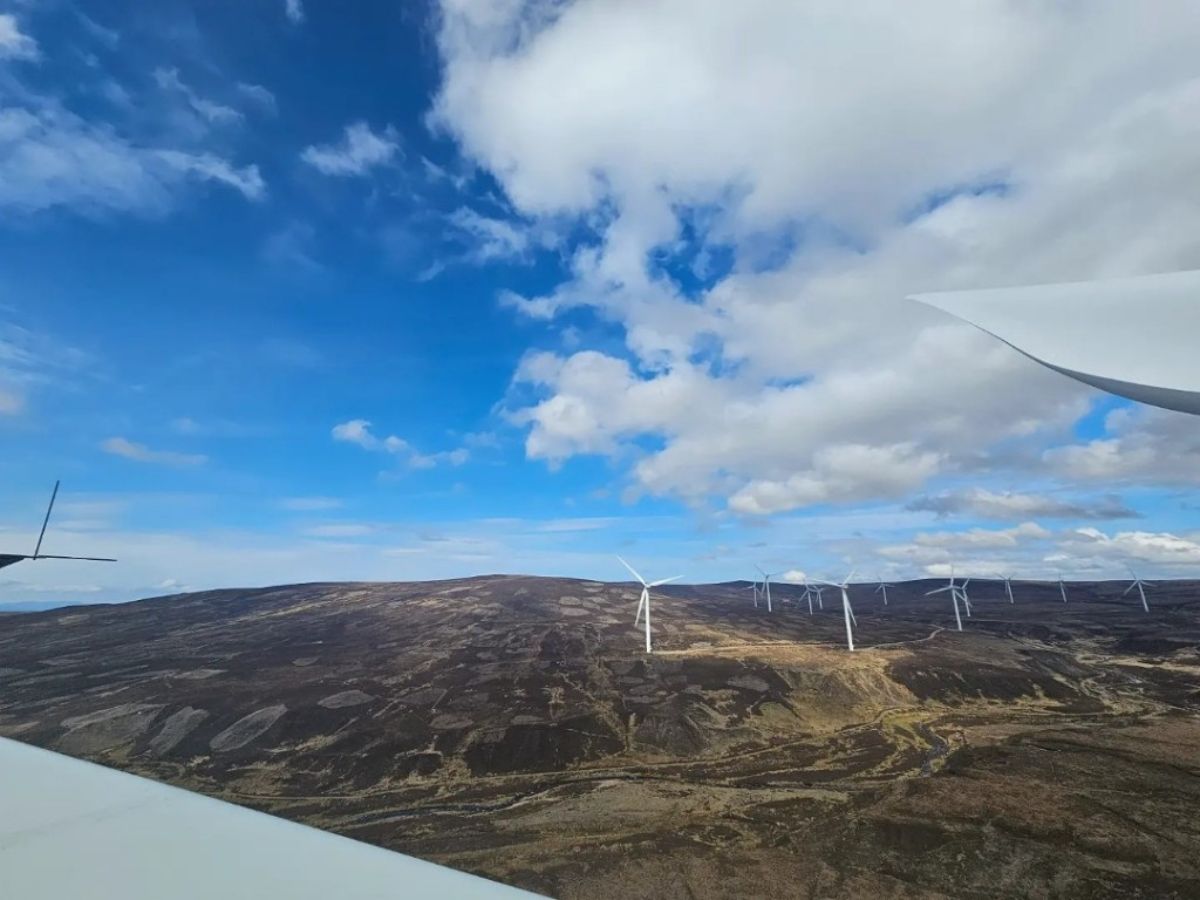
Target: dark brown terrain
(512, 726)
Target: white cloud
(206, 166)
(29, 361)
(358, 431)
(211, 112)
(1096, 550)
(50, 157)
(119, 446)
(359, 151)
(843, 157)
(490, 239)
(1144, 445)
(15, 44)
(1013, 505)
(258, 95)
(794, 576)
(294, 11)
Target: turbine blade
(664, 581)
(633, 570)
(86, 558)
(46, 521)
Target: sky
(295, 290)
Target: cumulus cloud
(14, 43)
(119, 446)
(294, 10)
(1142, 445)
(1012, 505)
(359, 151)
(759, 129)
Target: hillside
(513, 727)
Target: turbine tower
(645, 598)
(847, 612)
(954, 595)
(1062, 587)
(1141, 589)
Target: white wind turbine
(809, 591)
(847, 612)
(1062, 587)
(644, 602)
(766, 588)
(818, 591)
(962, 595)
(1141, 589)
(1008, 588)
(754, 587)
(883, 586)
(954, 595)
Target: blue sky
(592, 291)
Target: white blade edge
(633, 570)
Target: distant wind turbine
(766, 588)
(1008, 588)
(644, 602)
(1141, 589)
(847, 612)
(1062, 587)
(754, 587)
(883, 586)
(809, 591)
(8, 559)
(954, 589)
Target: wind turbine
(883, 586)
(753, 587)
(1008, 587)
(847, 612)
(8, 559)
(962, 593)
(954, 593)
(645, 599)
(809, 590)
(766, 588)
(1141, 586)
(1062, 587)
(818, 590)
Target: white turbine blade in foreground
(75, 829)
